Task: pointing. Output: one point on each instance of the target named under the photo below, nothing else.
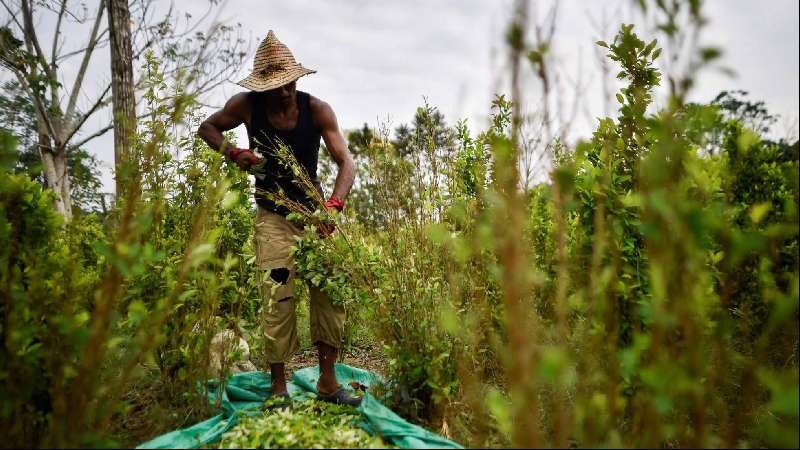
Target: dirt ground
(363, 356)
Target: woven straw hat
(273, 67)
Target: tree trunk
(122, 90)
(62, 185)
(56, 174)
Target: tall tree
(63, 104)
(119, 18)
(18, 117)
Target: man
(274, 111)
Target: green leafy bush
(49, 271)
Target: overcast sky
(377, 59)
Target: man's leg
(327, 330)
(278, 371)
(280, 328)
(274, 237)
(327, 384)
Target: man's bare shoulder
(317, 104)
(321, 111)
(239, 103)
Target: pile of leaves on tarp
(307, 424)
(243, 399)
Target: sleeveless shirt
(303, 140)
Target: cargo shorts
(274, 237)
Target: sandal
(340, 397)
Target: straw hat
(273, 67)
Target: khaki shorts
(274, 239)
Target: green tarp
(245, 393)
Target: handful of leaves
(348, 272)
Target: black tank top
(303, 140)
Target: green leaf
(787, 402)
(230, 199)
(137, 311)
(656, 54)
(759, 211)
(708, 54)
(747, 139)
(201, 254)
(649, 47)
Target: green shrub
(48, 271)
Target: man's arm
(325, 120)
(233, 114)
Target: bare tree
(64, 107)
(119, 18)
(536, 131)
(561, 94)
(602, 30)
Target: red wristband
(335, 203)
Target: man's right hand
(244, 158)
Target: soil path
(363, 356)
